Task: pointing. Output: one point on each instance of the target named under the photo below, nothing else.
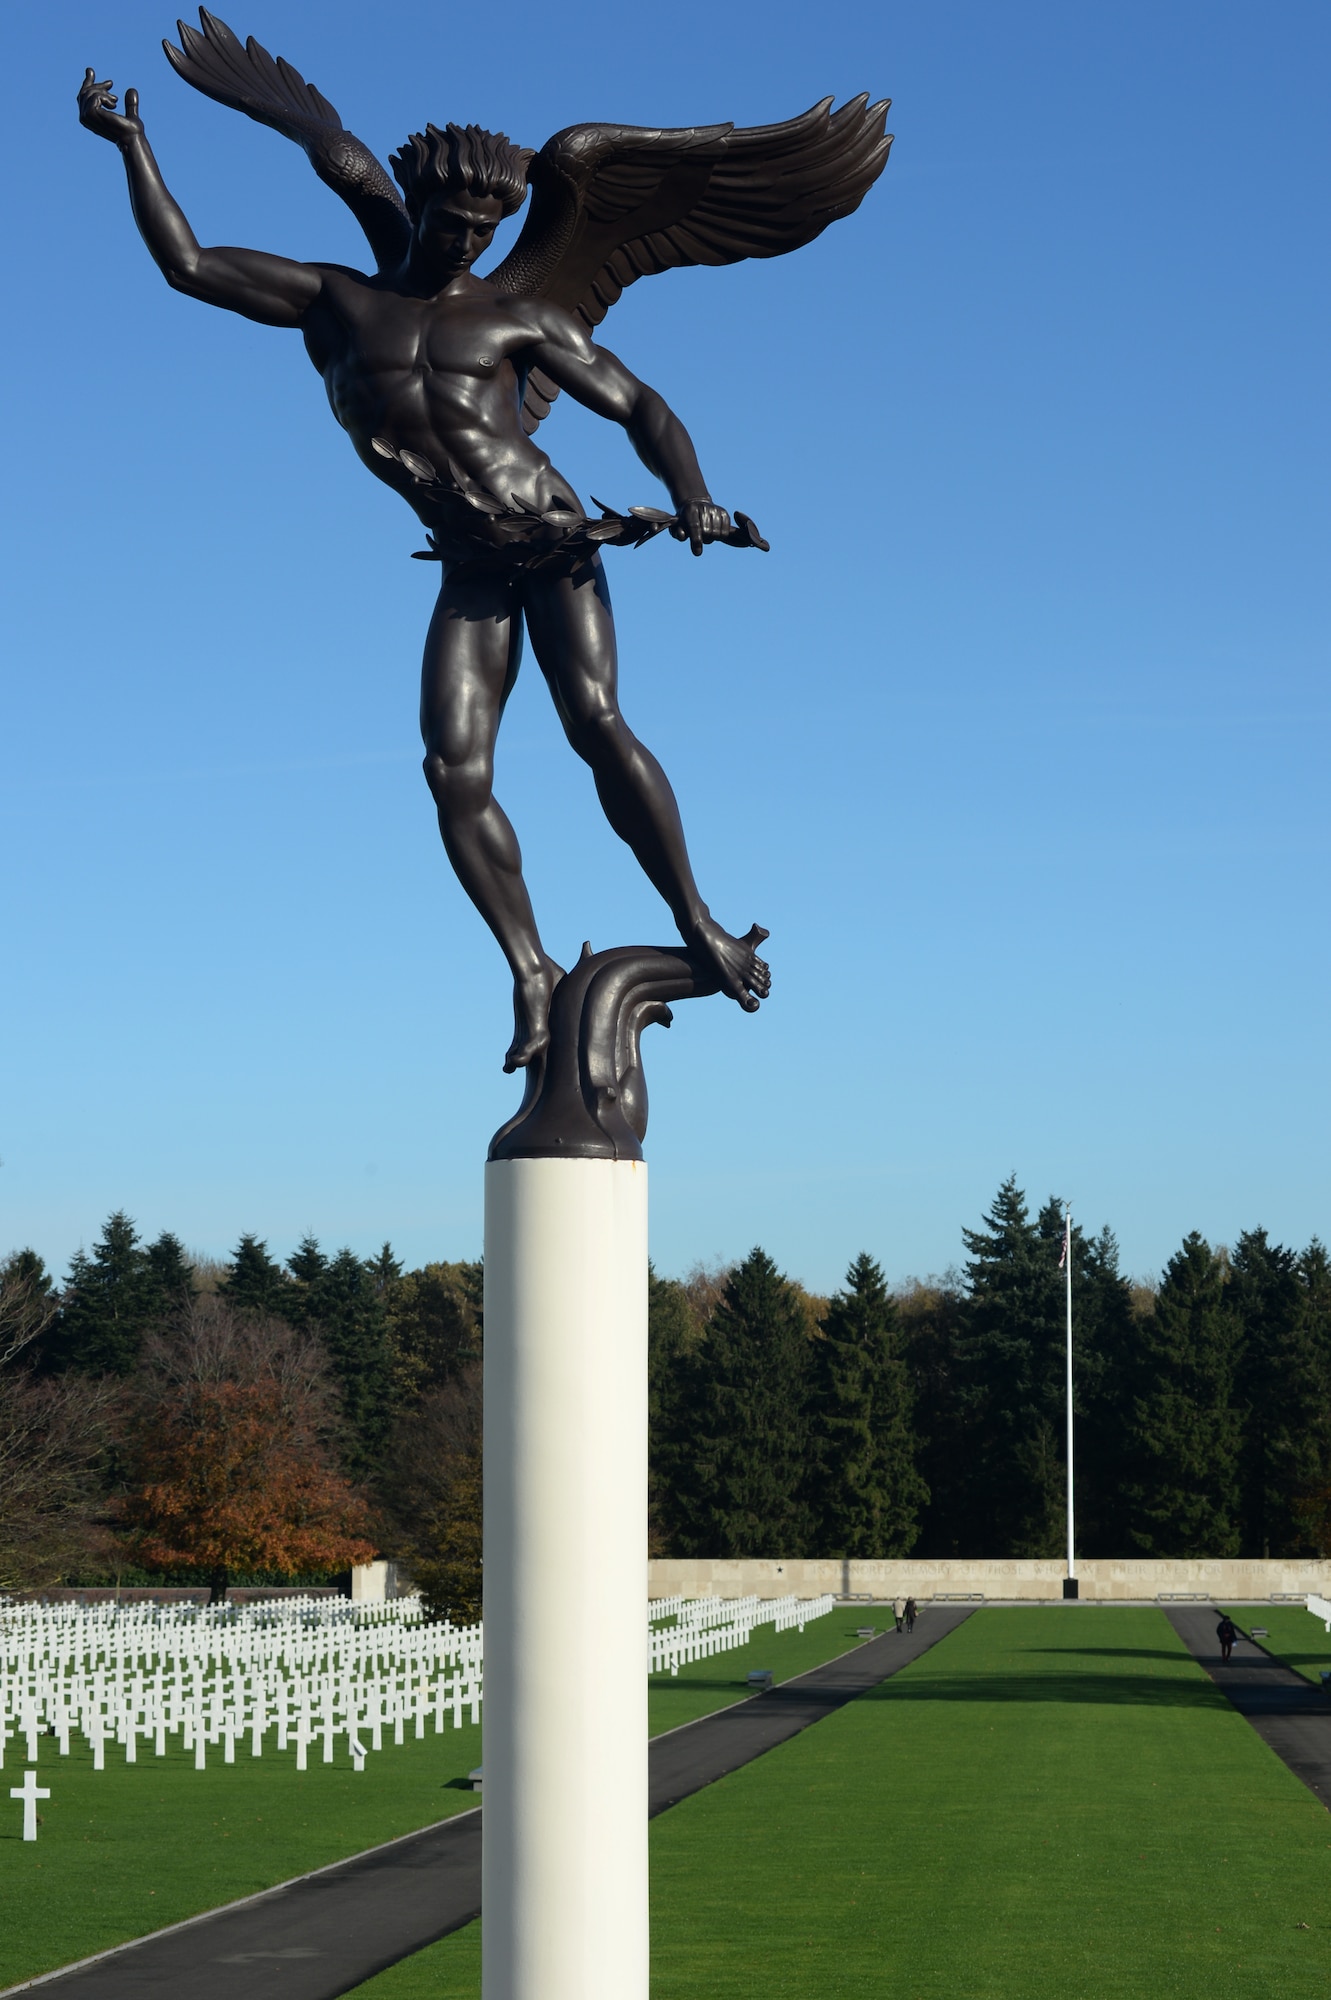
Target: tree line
(173, 1418)
(930, 1420)
(241, 1422)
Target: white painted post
(564, 1832)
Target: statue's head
(458, 185)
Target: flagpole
(1070, 1583)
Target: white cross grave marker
(29, 1791)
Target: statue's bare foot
(531, 1016)
(743, 975)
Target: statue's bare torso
(441, 376)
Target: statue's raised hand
(97, 110)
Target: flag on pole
(1067, 1242)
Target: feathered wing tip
(615, 203)
(245, 77)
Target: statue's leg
(573, 636)
(472, 652)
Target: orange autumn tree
(230, 1452)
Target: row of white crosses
(305, 1671)
(704, 1626)
(302, 1671)
(799, 1611)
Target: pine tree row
(929, 1421)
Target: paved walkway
(317, 1937)
(1288, 1712)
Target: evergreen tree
(386, 1268)
(172, 1273)
(111, 1300)
(740, 1425)
(673, 1331)
(434, 1320)
(865, 1494)
(1314, 1275)
(1182, 1488)
(256, 1282)
(932, 1318)
(307, 1263)
(1282, 1390)
(340, 1299)
(1013, 1358)
(1312, 1508)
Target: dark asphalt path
(703, 1751)
(317, 1937)
(1288, 1712)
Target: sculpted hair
(461, 156)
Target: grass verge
(1053, 1804)
(137, 1846)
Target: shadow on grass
(1108, 1653)
(1103, 1690)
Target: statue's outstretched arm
(275, 290)
(599, 380)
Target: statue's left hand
(97, 111)
(700, 522)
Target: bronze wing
(245, 77)
(615, 203)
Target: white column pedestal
(564, 1844)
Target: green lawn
(1053, 1804)
(131, 1848)
(1296, 1637)
(128, 1849)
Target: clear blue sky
(1017, 741)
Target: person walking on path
(899, 1611)
(910, 1614)
(1226, 1632)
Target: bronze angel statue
(440, 378)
